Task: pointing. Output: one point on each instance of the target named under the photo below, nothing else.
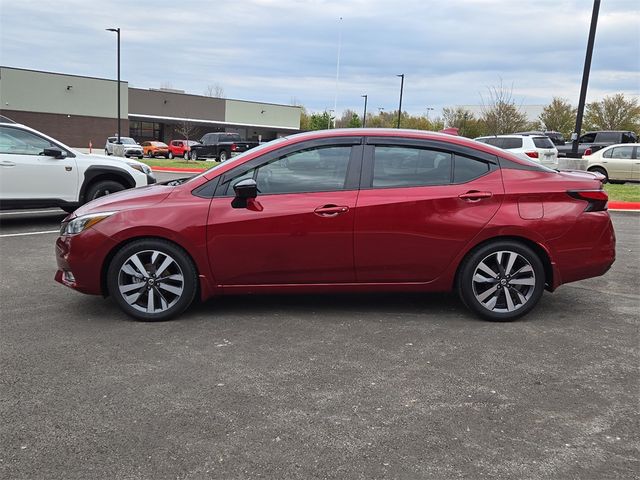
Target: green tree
(500, 113)
(465, 121)
(613, 113)
(559, 116)
(320, 121)
(349, 119)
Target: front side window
(19, 142)
(396, 166)
(322, 169)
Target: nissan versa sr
(350, 210)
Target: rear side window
(496, 142)
(396, 166)
(543, 142)
(629, 137)
(608, 137)
(466, 169)
(622, 152)
(588, 138)
(508, 143)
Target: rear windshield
(508, 143)
(543, 142)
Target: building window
(144, 130)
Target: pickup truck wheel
(194, 155)
(223, 156)
(186, 155)
(170, 156)
(100, 189)
(601, 171)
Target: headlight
(140, 167)
(80, 224)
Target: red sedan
(347, 210)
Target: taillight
(234, 147)
(588, 151)
(596, 199)
(532, 154)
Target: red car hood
(127, 199)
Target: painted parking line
(30, 212)
(24, 234)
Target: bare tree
(499, 111)
(186, 129)
(214, 90)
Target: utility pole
(364, 116)
(117, 30)
(401, 88)
(585, 76)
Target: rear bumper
(594, 256)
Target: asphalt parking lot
(384, 386)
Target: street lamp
(330, 118)
(364, 116)
(401, 88)
(117, 30)
(428, 110)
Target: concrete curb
(178, 170)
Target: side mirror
(54, 152)
(245, 189)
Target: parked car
(346, 210)
(155, 149)
(131, 147)
(591, 142)
(180, 148)
(220, 146)
(539, 148)
(556, 137)
(618, 163)
(38, 171)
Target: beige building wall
(32, 91)
(262, 114)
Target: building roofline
(65, 74)
(211, 122)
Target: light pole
(330, 118)
(364, 116)
(117, 30)
(401, 88)
(429, 109)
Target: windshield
(127, 141)
(238, 159)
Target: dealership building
(77, 110)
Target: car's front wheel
(501, 280)
(100, 189)
(152, 279)
(194, 155)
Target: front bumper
(80, 259)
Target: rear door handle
(7, 163)
(331, 210)
(474, 196)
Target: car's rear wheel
(106, 152)
(601, 171)
(501, 281)
(170, 155)
(100, 189)
(152, 279)
(223, 156)
(194, 155)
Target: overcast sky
(277, 51)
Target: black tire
(186, 155)
(170, 156)
(162, 287)
(223, 156)
(475, 284)
(106, 152)
(151, 155)
(100, 189)
(194, 155)
(140, 157)
(601, 171)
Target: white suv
(37, 171)
(538, 148)
(130, 146)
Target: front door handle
(331, 210)
(474, 195)
(7, 163)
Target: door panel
(412, 233)
(280, 239)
